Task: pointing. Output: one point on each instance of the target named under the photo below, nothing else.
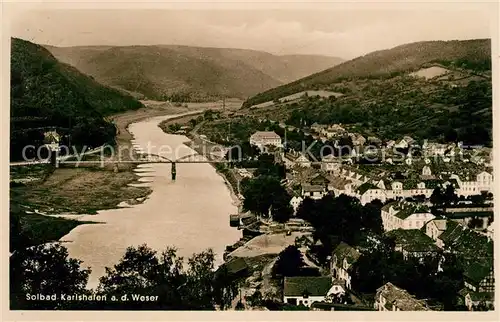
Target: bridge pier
(53, 159)
(174, 171)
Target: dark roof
(236, 265)
(431, 184)
(310, 285)
(313, 188)
(471, 245)
(405, 210)
(452, 228)
(482, 296)
(339, 182)
(413, 240)
(477, 271)
(319, 176)
(343, 250)
(387, 206)
(365, 187)
(400, 298)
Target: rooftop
(401, 298)
(266, 134)
(343, 250)
(477, 271)
(312, 188)
(310, 285)
(472, 245)
(413, 240)
(365, 187)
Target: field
(430, 72)
(298, 95)
(266, 245)
(80, 191)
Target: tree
(289, 262)
(371, 219)
(450, 197)
(262, 193)
(18, 238)
(47, 270)
(475, 223)
(478, 199)
(282, 210)
(437, 197)
(143, 271)
(254, 300)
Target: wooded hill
(47, 93)
(383, 97)
(184, 73)
(470, 54)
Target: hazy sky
(343, 33)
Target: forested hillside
(393, 93)
(46, 93)
(470, 54)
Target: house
(479, 276)
(404, 215)
(474, 299)
(469, 243)
(409, 140)
(367, 192)
(341, 261)
(331, 163)
(340, 185)
(426, 171)
(313, 191)
(390, 144)
(374, 140)
(318, 128)
(319, 180)
(295, 202)
(303, 161)
(435, 227)
(357, 139)
(392, 298)
(305, 290)
(466, 187)
(264, 138)
(333, 130)
(479, 282)
(403, 144)
(412, 242)
(295, 159)
(51, 137)
(434, 149)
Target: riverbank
(73, 192)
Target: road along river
(191, 213)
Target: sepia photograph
(280, 158)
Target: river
(191, 213)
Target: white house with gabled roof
(404, 215)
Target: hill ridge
(195, 73)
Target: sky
(332, 32)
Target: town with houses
(410, 192)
